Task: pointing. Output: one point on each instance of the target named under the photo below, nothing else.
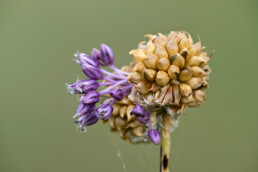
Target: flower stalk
(165, 144)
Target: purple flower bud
(82, 86)
(90, 97)
(96, 54)
(107, 55)
(89, 119)
(87, 108)
(104, 112)
(89, 85)
(138, 110)
(117, 94)
(92, 72)
(154, 136)
(78, 112)
(87, 59)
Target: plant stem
(165, 144)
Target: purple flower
(107, 55)
(87, 59)
(138, 111)
(96, 54)
(117, 94)
(82, 86)
(154, 136)
(104, 112)
(89, 84)
(92, 72)
(90, 97)
(87, 108)
(88, 119)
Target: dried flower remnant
(168, 74)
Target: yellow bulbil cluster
(170, 71)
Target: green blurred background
(37, 41)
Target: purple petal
(117, 94)
(92, 72)
(89, 85)
(90, 97)
(107, 55)
(89, 119)
(104, 112)
(86, 59)
(154, 136)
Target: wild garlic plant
(143, 101)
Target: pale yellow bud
(149, 74)
(172, 35)
(163, 64)
(196, 49)
(143, 87)
(142, 45)
(173, 71)
(138, 131)
(185, 53)
(150, 37)
(184, 43)
(150, 48)
(134, 77)
(185, 89)
(206, 59)
(188, 99)
(178, 60)
(162, 78)
(176, 94)
(194, 82)
(190, 39)
(172, 47)
(151, 61)
(138, 54)
(199, 95)
(185, 74)
(122, 111)
(161, 52)
(111, 122)
(161, 40)
(207, 69)
(139, 67)
(133, 124)
(116, 108)
(124, 101)
(128, 113)
(195, 61)
(120, 123)
(198, 72)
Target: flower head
(168, 74)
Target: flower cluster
(116, 83)
(113, 85)
(169, 73)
